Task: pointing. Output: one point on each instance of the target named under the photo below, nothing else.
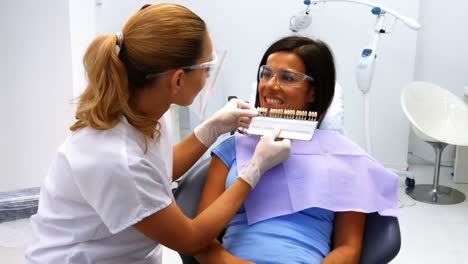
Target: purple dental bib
(329, 172)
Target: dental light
(303, 20)
(366, 64)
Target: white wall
(442, 58)
(246, 28)
(35, 88)
(82, 32)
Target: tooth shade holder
(290, 128)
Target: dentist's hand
(234, 114)
(268, 153)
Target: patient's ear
(310, 96)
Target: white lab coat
(100, 184)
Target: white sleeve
(123, 191)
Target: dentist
(107, 195)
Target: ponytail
(159, 37)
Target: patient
(295, 73)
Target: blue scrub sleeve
(226, 151)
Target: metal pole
(438, 148)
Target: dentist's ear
(177, 81)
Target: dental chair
(439, 118)
(381, 234)
(382, 239)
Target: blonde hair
(156, 38)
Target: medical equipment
(366, 64)
(381, 242)
(300, 21)
(201, 101)
(210, 84)
(302, 129)
(294, 124)
(382, 237)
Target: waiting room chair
(381, 235)
(439, 118)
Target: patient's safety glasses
(284, 77)
(206, 66)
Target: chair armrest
(382, 240)
(187, 194)
(190, 188)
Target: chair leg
(435, 193)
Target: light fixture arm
(411, 23)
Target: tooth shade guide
(294, 124)
(287, 113)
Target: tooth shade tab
(278, 113)
(289, 114)
(262, 111)
(301, 115)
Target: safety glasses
(284, 77)
(207, 66)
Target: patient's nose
(273, 83)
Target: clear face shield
(200, 103)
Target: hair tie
(119, 42)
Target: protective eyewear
(205, 65)
(284, 77)
(206, 95)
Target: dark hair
(319, 64)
